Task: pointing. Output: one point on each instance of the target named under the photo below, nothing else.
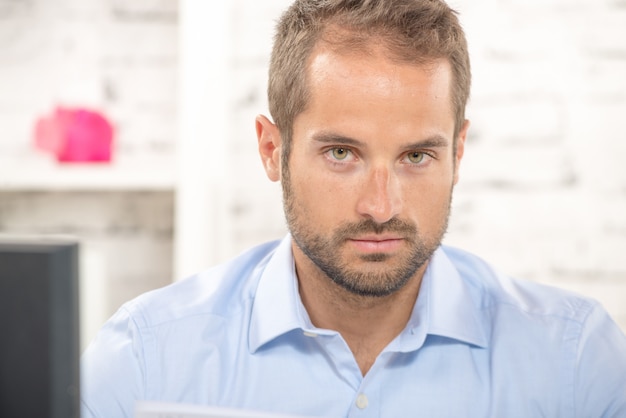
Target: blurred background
(542, 194)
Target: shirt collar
(275, 307)
(445, 305)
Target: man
(360, 311)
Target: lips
(377, 243)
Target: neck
(367, 323)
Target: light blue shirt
(478, 344)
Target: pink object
(75, 135)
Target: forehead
(370, 86)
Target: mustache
(394, 225)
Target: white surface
(42, 172)
(172, 410)
(202, 202)
(93, 294)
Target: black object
(39, 329)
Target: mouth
(377, 243)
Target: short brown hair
(414, 31)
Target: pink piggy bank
(75, 135)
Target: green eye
(339, 153)
(416, 157)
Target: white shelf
(43, 173)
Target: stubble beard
(326, 251)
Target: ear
(460, 149)
(269, 139)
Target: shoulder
(159, 336)
(220, 291)
(495, 290)
(535, 328)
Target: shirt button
(361, 401)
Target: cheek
(323, 193)
(428, 200)
(321, 197)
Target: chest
(310, 377)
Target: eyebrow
(433, 141)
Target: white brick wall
(543, 188)
(118, 56)
(543, 183)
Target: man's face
(368, 183)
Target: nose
(380, 197)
